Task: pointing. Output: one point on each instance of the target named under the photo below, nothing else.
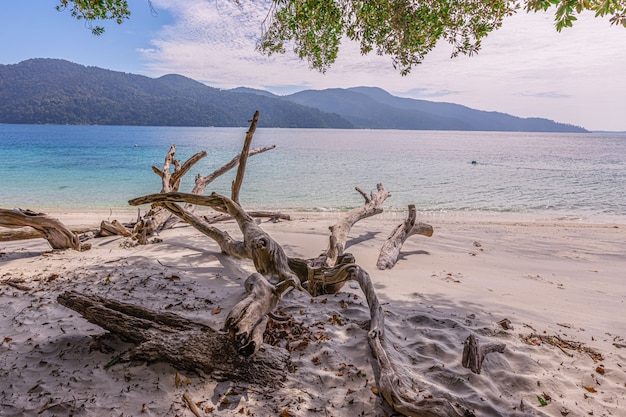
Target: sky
(526, 68)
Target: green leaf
(112, 362)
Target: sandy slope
(550, 278)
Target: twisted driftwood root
(184, 344)
(247, 321)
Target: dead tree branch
(241, 169)
(391, 249)
(339, 232)
(53, 230)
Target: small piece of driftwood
(391, 249)
(474, 354)
(114, 228)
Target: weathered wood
(155, 219)
(170, 181)
(272, 215)
(214, 201)
(227, 244)
(391, 249)
(54, 231)
(238, 181)
(184, 344)
(202, 182)
(474, 353)
(276, 273)
(247, 321)
(405, 399)
(114, 228)
(320, 280)
(339, 232)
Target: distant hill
(53, 91)
(374, 108)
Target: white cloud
(526, 68)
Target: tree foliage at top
(406, 30)
(93, 10)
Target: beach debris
(159, 218)
(390, 250)
(285, 412)
(172, 278)
(542, 401)
(564, 345)
(600, 369)
(589, 388)
(474, 354)
(181, 380)
(17, 283)
(506, 324)
(112, 362)
(327, 274)
(192, 407)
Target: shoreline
(93, 216)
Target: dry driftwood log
(391, 249)
(184, 344)
(54, 231)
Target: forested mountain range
(55, 91)
(59, 92)
(374, 108)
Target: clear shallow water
(539, 174)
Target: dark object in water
(474, 162)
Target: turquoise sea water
(556, 175)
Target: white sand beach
(561, 283)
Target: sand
(551, 278)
